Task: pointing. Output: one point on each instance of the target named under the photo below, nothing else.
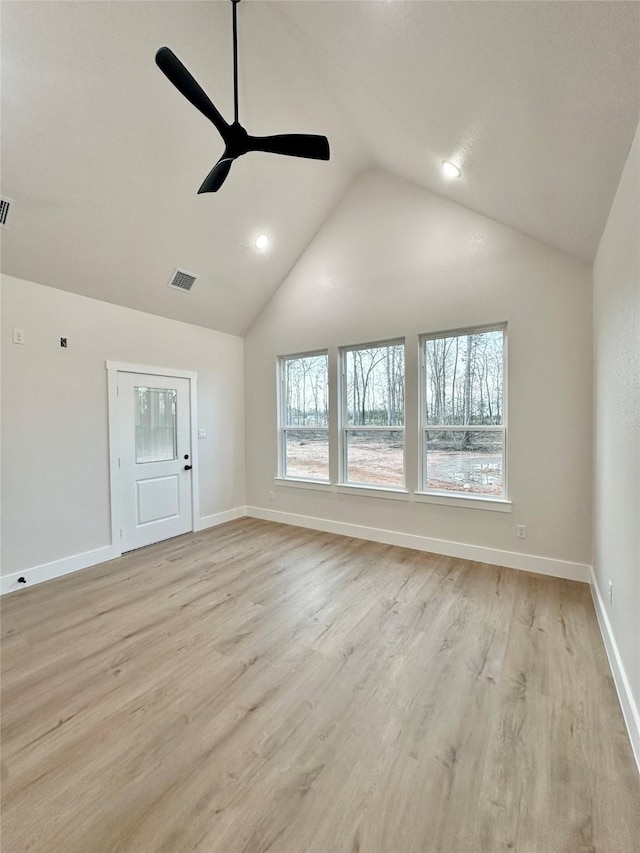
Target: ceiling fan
(236, 139)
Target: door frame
(113, 368)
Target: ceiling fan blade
(216, 177)
(186, 84)
(292, 144)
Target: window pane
(306, 391)
(375, 457)
(155, 419)
(464, 461)
(375, 386)
(464, 379)
(307, 454)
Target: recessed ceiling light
(450, 170)
(261, 241)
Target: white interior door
(154, 453)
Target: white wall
(55, 460)
(616, 277)
(396, 261)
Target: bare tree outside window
(305, 433)
(463, 416)
(373, 435)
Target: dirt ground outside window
(380, 461)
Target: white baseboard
(220, 518)
(493, 556)
(627, 702)
(48, 571)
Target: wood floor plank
(259, 687)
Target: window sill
(372, 491)
(466, 501)
(344, 488)
(303, 484)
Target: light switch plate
(202, 433)
(18, 336)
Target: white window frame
(344, 427)
(283, 428)
(445, 495)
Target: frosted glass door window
(155, 412)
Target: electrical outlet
(271, 495)
(610, 592)
(18, 336)
(521, 531)
(202, 433)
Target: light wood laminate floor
(262, 687)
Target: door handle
(188, 467)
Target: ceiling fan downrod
(235, 59)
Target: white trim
(466, 330)
(344, 427)
(304, 428)
(48, 571)
(124, 367)
(68, 565)
(390, 342)
(376, 428)
(113, 368)
(366, 491)
(493, 556)
(372, 491)
(282, 393)
(195, 446)
(112, 414)
(466, 501)
(423, 427)
(460, 428)
(306, 354)
(220, 518)
(623, 688)
(321, 485)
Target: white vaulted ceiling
(536, 101)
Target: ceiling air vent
(5, 207)
(182, 280)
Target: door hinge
(117, 391)
(121, 533)
(118, 461)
